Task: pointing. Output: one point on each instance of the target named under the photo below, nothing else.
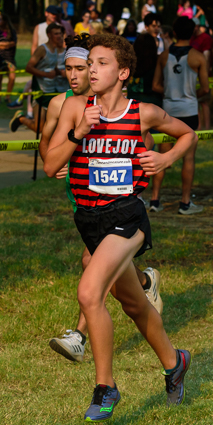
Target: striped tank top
(118, 137)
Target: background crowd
(150, 39)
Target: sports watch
(72, 138)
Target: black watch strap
(73, 139)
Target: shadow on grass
(191, 305)
(199, 374)
(179, 309)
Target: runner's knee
(88, 299)
(133, 309)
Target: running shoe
(189, 208)
(70, 346)
(155, 206)
(15, 122)
(175, 380)
(102, 405)
(15, 104)
(153, 292)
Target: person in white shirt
(150, 7)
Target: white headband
(76, 52)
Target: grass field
(40, 254)
(22, 57)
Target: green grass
(22, 57)
(40, 256)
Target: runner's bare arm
(203, 76)
(72, 116)
(154, 117)
(53, 113)
(34, 40)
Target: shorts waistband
(119, 203)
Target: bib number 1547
(110, 176)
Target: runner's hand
(61, 174)
(153, 162)
(91, 117)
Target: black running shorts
(191, 121)
(122, 217)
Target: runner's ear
(124, 74)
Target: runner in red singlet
(111, 218)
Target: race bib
(111, 176)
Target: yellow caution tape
(164, 138)
(27, 145)
(17, 71)
(19, 145)
(36, 94)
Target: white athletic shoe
(153, 292)
(69, 346)
(191, 209)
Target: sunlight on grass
(40, 254)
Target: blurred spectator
(140, 86)
(176, 77)
(130, 31)
(39, 33)
(153, 27)
(61, 82)
(204, 44)
(123, 21)
(90, 5)
(96, 27)
(167, 35)
(141, 25)
(150, 7)
(185, 9)
(95, 16)
(199, 13)
(84, 25)
(8, 40)
(66, 24)
(68, 9)
(43, 66)
(108, 24)
(39, 37)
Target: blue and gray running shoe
(103, 402)
(175, 380)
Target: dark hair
(124, 52)
(146, 52)
(84, 13)
(167, 29)
(96, 12)
(184, 1)
(7, 25)
(183, 28)
(55, 26)
(77, 41)
(150, 17)
(126, 32)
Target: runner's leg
(135, 305)
(112, 256)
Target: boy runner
(72, 344)
(102, 136)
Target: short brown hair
(124, 51)
(54, 26)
